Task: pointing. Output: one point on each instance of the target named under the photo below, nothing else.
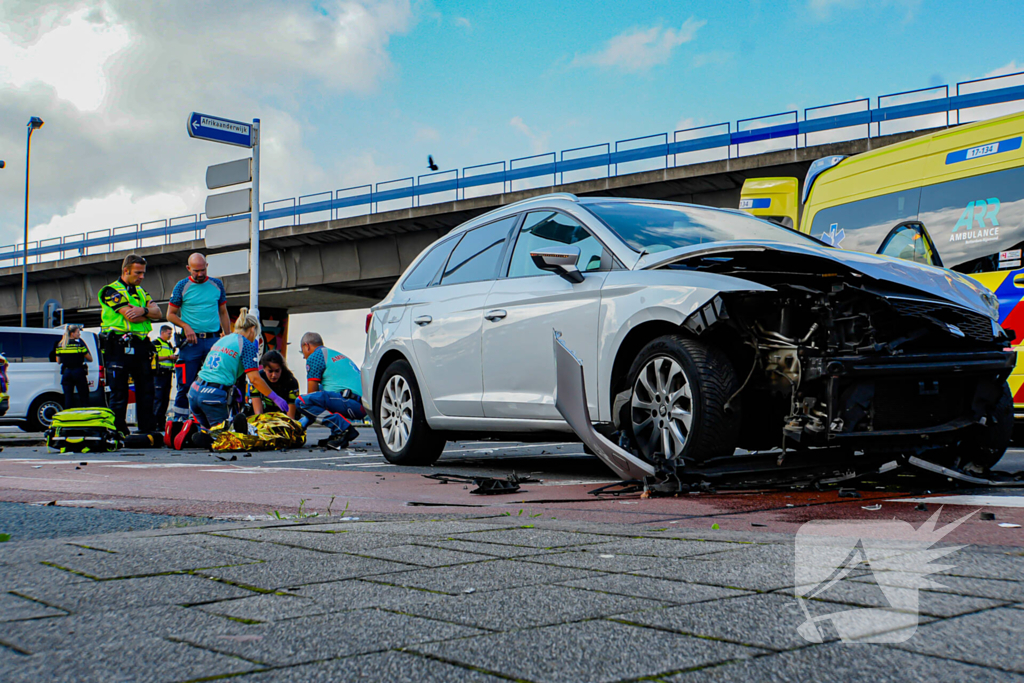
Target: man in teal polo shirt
(199, 307)
(335, 388)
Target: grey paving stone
(491, 549)
(484, 576)
(587, 652)
(598, 560)
(853, 663)
(994, 589)
(325, 541)
(765, 621)
(106, 629)
(669, 547)
(438, 528)
(393, 667)
(929, 603)
(325, 637)
(535, 538)
(425, 556)
(148, 660)
(16, 608)
(126, 594)
(152, 556)
(989, 638)
(733, 573)
(676, 592)
(529, 606)
(286, 572)
(321, 598)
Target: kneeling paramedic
(125, 325)
(211, 394)
(334, 386)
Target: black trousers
(162, 381)
(72, 380)
(122, 368)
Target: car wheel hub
(396, 413)
(662, 408)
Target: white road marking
(336, 457)
(984, 501)
(504, 448)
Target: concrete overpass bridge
(352, 262)
(323, 261)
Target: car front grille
(973, 325)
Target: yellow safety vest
(112, 321)
(164, 355)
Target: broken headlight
(992, 304)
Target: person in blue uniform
(334, 389)
(73, 354)
(230, 358)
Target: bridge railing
(856, 119)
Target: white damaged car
(699, 330)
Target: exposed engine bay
(834, 366)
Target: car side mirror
(561, 260)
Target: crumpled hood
(929, 281)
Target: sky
(351, 92)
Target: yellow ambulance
(953, 199)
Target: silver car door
(447, 319)
(522, 310)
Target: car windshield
(654, 227)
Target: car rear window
(654, 227)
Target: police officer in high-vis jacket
(163, 373)
(126, 314)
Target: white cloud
(86, 35)
(823, 9)
(538, 140)
(714, 57)
(640, 49)
(115, 80)
(426, 134)
(119, 208)
(1012, 67)
(463, 22)
(686, 123)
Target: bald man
(199, 306)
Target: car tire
(403, 434)
(41, 412)
(680, 388)
(985, 447)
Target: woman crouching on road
(281, 381)
(229, 359)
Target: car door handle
(423, 320)
(495, 315)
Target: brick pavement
(458, 599)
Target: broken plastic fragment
(1007, 525)
(876, 506)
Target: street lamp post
(33, 123)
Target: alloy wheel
(661, 408)
(396, 413)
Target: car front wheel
(404, 436)
(677, 410)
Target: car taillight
(103, 377)
(369, 319)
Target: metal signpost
(228, 132)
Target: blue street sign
(217, 129)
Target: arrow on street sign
(216, 129)
(229, 203)
(231, 173)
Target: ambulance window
(863, 225)
(977, 223)
(910, 242)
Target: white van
(34, 375)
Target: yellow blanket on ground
(266, 432)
